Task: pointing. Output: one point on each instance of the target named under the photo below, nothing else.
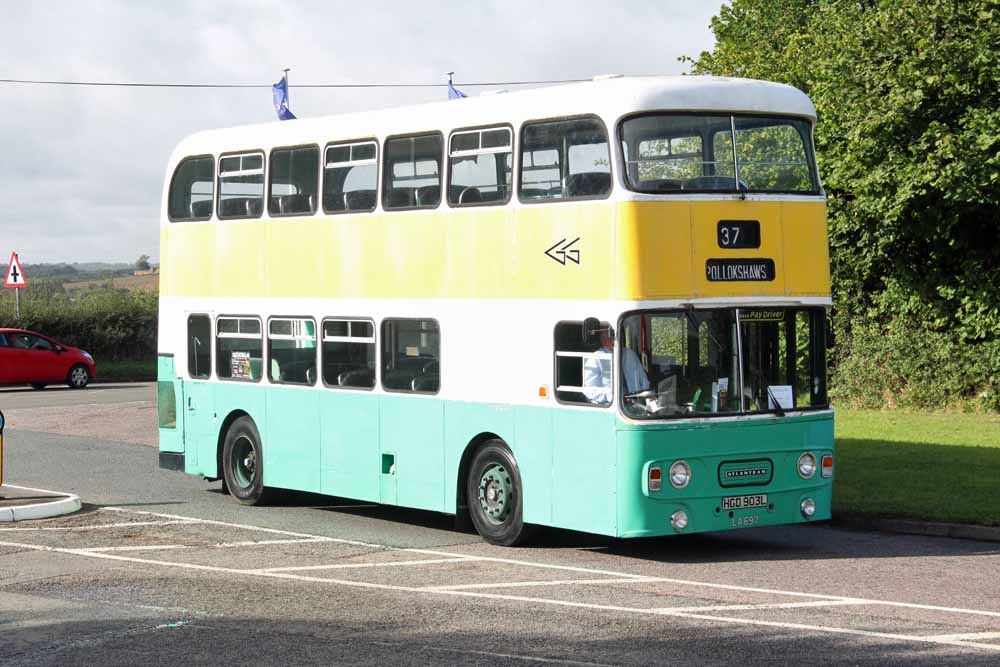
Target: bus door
(169, 395)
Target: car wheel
(78, 377)
(243, 463)
(493, 493)
(38, 385)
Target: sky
(83, 167)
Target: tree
(142, 264)
(908, 142)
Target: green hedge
(904, 363)
(111, 324)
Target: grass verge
(925, 466)
(126, 370)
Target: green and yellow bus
(598, 306)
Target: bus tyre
(243, 463)
(493, 493)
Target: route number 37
(739, 234)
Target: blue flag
(280, 91)
(454, 93)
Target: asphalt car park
(161, 564)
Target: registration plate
(743, 502)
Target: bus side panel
(533, 451)
(291, 449)
(584, 470)
(411, 432)
(247, 397)
(463, 422)
(349, 449)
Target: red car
(27, 357)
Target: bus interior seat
(398, 378)
(256, 367)
(588, 184)
(661, 184)
(536, 193)
(201, 209)
(298, 203)
(359, 200)
(402, 197)
(429, 382)
(311, 375)
(429, 195)
(470, 195)
(235, 206)
(359, 377)
(712, 183)
(275, 371)
(333, 201)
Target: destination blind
(739, 270)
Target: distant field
(930, 466)
(149, 283)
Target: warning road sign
(15, 276)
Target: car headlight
(87, 355)
(680, 474)
(806, 465)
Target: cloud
(83, 168)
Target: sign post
(15, 279)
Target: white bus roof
(608, 98)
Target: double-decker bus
(598, 306)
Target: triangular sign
(15, 276)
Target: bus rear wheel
(493, 491)
(243, 463)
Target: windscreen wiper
(777, 406)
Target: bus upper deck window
(192, 190)
(294, 181)
(479, 166)
(565, 159)
(350, 177)
(412, 172)
(241, 185)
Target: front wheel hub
(496, 493)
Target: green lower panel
(411, 429)
(292, 454)
(753, 445)
(350, 462)
(582, 469)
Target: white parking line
(349, 566)
(968, 635)
(102, 526)
(550, 582)
(149, 547)
(765, 605)
(254, 543)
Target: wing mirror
(592, 328)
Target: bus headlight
(679, 520)
(808, 508)
(680, 474)
(806, 465)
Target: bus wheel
(243, 463)
(493, 492)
